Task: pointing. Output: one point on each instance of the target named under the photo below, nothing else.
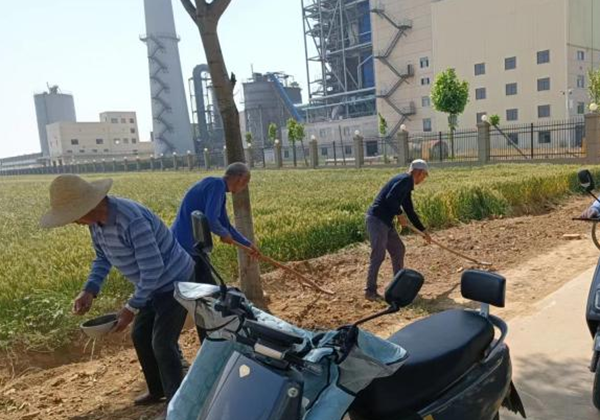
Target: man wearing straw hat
(394, 198)
(128, 236)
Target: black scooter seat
(441, 348)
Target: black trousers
(155, 333)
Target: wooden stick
(418, 232)
(277, 264)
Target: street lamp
(484, 118)
(403, 127)
(593, 107)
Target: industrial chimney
(172, 131)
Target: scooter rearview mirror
(202, 236)
(586, 180)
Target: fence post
(483, 141)
(138, 166)
(531, 131)
(278, 155)
(592, 137)
(126, 164)
(313, 153)
(152, 163)
(359, 156)
(207, 159)
(263, 157)
(334, 155)
(249, 156)
(402, 146)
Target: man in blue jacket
(209, 196)
(394, 198)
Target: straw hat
(71, 198)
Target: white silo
(170, 119)
(51, 107)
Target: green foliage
(594, 86)
(272, 133)
(383, 125)
(495, 120)
(43, 270)
(248, 138)
(450, 95)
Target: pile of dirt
(531, 251)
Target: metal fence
(548, 140)
(460, 146)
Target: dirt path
(530, 251)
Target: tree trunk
(248, 269)
(294, 154)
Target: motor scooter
(254, 366)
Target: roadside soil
(537, 254)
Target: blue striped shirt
(136, 242)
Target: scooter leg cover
(197, 384)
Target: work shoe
(374, 297)
(148, 399)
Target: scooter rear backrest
(484, 287)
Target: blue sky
(92, 49)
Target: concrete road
(551, 351)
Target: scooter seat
(441, 348)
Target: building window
(581, 107)
(544, 111)
(324, 151)
(114, 120)
(94, 150)
(479, 69)
(581, 81)
(510, 63)
(543, 57)
(286, 154)
(425, 101)
(478, 116)
(480, 93)
(81, 151)
(74, 142)
(511, 89)
(133, 140)
(123, 121)
(348, 150)
(132, 130)
(425, 81)
(427, 124)
(372, 148)
(543, 84)
(580, 55)
(346, 131)
(424, 62)
(544, 137)
(125, 141)
(513, 138)
(99, 141)
(69, 151)
(322, 132)
(132, 121)
(512, 114)
(106, 150)
(117, 141)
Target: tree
(594, 87)
(249, 138)
(450, 96)
(206, 16)
(272, 134)
(296, 133)
(383, 129)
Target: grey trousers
(383, 238)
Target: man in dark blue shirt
(394, 198)
(210, 196)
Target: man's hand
(402, 220)
(255, 253)
(124, 319)
(83, 303)
(427, 238)
(227, 240)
